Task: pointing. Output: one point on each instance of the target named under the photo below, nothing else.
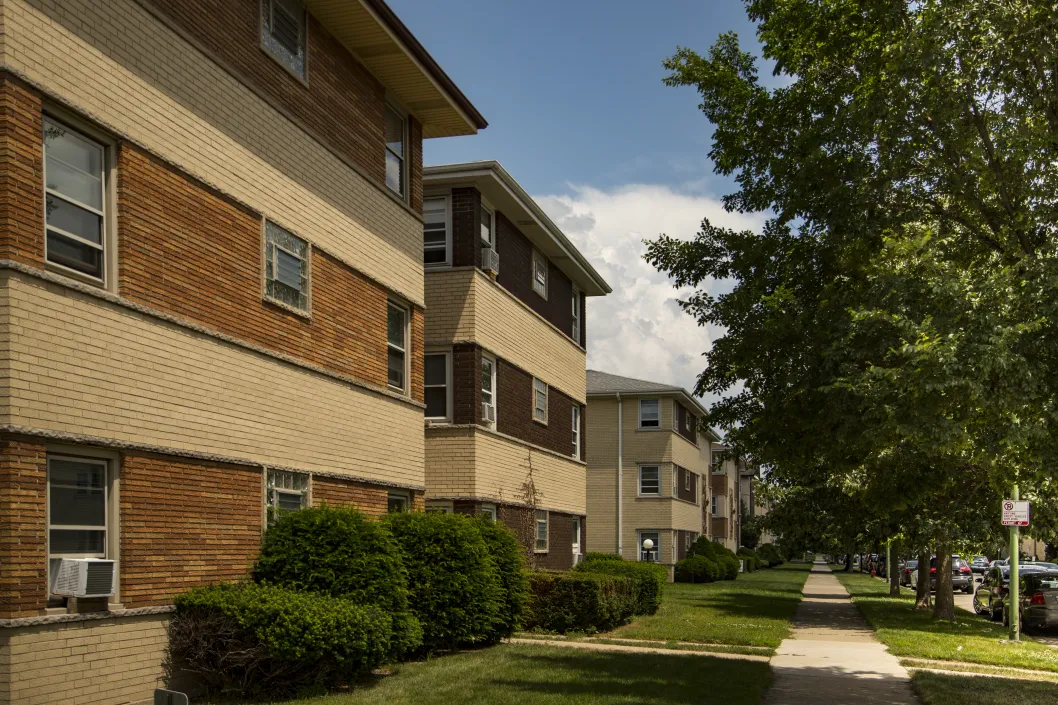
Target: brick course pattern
(189, 111)
(23, 539)
(185, 523)
(514, 411)
(21, 172)
(370, 499)
(466, 384)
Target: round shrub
(579, 602)
(341, 553)
(455, 591)
(696, 569)
(260, 640)
(509, 560)
(728, 567)
(650, 578)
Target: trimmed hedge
(720, 555)
(341, 553)
(260, 640)
(650, 578)
(750, 559)
(455, 590)
(771, 554)
(509, 561)
(697, 569)
(579, 601)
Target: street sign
(1015, 513)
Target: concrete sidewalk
(832, 655)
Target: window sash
(103, 490)
(541, 530)
(442, 385)
(539, 400)
(576, 316)
(576, 431)
(395, 151)
(398, 502)
(397, 352)
(487, 225)
(488, 381)
(435, 231)
(649, 413)
(650, 480)
(539, 273)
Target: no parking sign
(1015, 513)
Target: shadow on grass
(943, 689)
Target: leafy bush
(697, 569)
(579, 601)
(509, 560)
(723, 557)
(750, 559)
(455, 589)
(771, 554)
(650, 578)
(341, 553)
(258, 640)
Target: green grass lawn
(942, 689)
(913, 634)
(754, 610)
(542, 675)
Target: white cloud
(639, 330)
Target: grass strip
(948, 689)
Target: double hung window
(486, 226)
(650, 480)
(397, 342)
(436, 385)
(435, 231)
(649, 554)
(396, 140)
(77, 507)
(74, 200)
(541, 531)
(539, 401)
(576, 315)
(286, 267)
(576, 432)
(398, 502)
(539, 273)
(649, 413)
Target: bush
(720, 555)
(259, 640)
(697, 569)
(650, 578)
(579, 601)
(750, 559)
(771, 554)
(340, 553)
(509, 561)
(455, 590)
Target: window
(286, 267)
(439, 506)
(286, 492)
(576, 432)
(576, 535)
(436, 385)
(435, 231)
(283, 31)
(539, 273)
(650, 480)
(716, 506)
(487, 220)
(397, 337)
(398, 502)
(686, 479)
(576, 315)
(488, 384)
(649, 413)
(649, 554)
(77, 507)
(488, 509)
(539, 401)
(395, 140)
(541, 531)
(74, 200)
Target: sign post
(1015, 515)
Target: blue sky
(578, 114)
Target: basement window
(286, 267)
(286, 492)
(284, 33)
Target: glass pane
(395, 173)
(288, 269)
(394, 132)
(76, 473)
(75, 184)
(433, 237)
(433, 212)
(436, 369)
(396, 368)
(395, 326)
(74, 220)
(436, 402)
(434, 256)
(397, 503)
(486, 225)
(77, 507)
(486, 375)
(289, 501)
(65, 145)
(76, 541)
(279, 235)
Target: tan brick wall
(84, 366)
(472, 462)
(96, 662)
(465, 305)
(602, 509)
(148, 84)
(23, 543)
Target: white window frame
(108, 256)
(444, 506)
(273, 480)
(401, 194)
(491, 241)
(578, 527)
(492, 392)
(488, 508)
(576, 315)
(576, 430)
(639, 482)
(539, 259)
(537, 383)
(296, 66)
(108, 511)
(537, 520)
(403, 495)
(649, 428)
(391, 304)
(447, 199)
(687, 481)
(714, 506)
(306, 262)
(447, 354)
(643, 534)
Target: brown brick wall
(682, 474)
(681, 543)
(23, 540)
(370, 499)
(466, 235)
(185, 523)
(560, 543)
(343, 104)
(514, 414)
(466, 381)
(21, 173)
(681, 417)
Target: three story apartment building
(505, 360)
(648, 468)
(725, 508)
(211, 303)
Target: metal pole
(620, 479)
(888, 558)
(1014, 597)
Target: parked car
(1042, 564)
(992, 593)
(905, 573)
(961, 575)
(1039, 601)
(979, 564)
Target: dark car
(991, 595)
(979, 564)
(962, 578)
(905, 574)
(1039, 601)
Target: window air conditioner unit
(84, 577)
(488, 412)
(490, 260)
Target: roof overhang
(373, 33)
(503, 192)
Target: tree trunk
(944, 604)
(848, 562)
(922, 591)
(894, 570)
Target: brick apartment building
(725, 508)
(648, 468)
(505, 360)
(212, 290)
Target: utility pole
(1014, 596)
